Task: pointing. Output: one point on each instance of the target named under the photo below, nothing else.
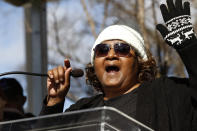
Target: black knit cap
(11, 88)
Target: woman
(124, 72)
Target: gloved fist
(178, 27)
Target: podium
(94, 119)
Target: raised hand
(58, 83)
(178, 27)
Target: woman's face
(116, 73)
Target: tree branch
(141, 21)
(122, 8)
(105, 13)
(57, 39)
(89, 18)
(156, 34)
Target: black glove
(178, 21)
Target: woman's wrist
(51, 101)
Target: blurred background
(37, 35)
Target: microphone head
(77, 73)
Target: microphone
(77, 73)
(74, 73)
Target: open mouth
(112, 69)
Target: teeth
(112, 68)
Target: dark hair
(11, 88)
(146, 71)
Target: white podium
(94, 119)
